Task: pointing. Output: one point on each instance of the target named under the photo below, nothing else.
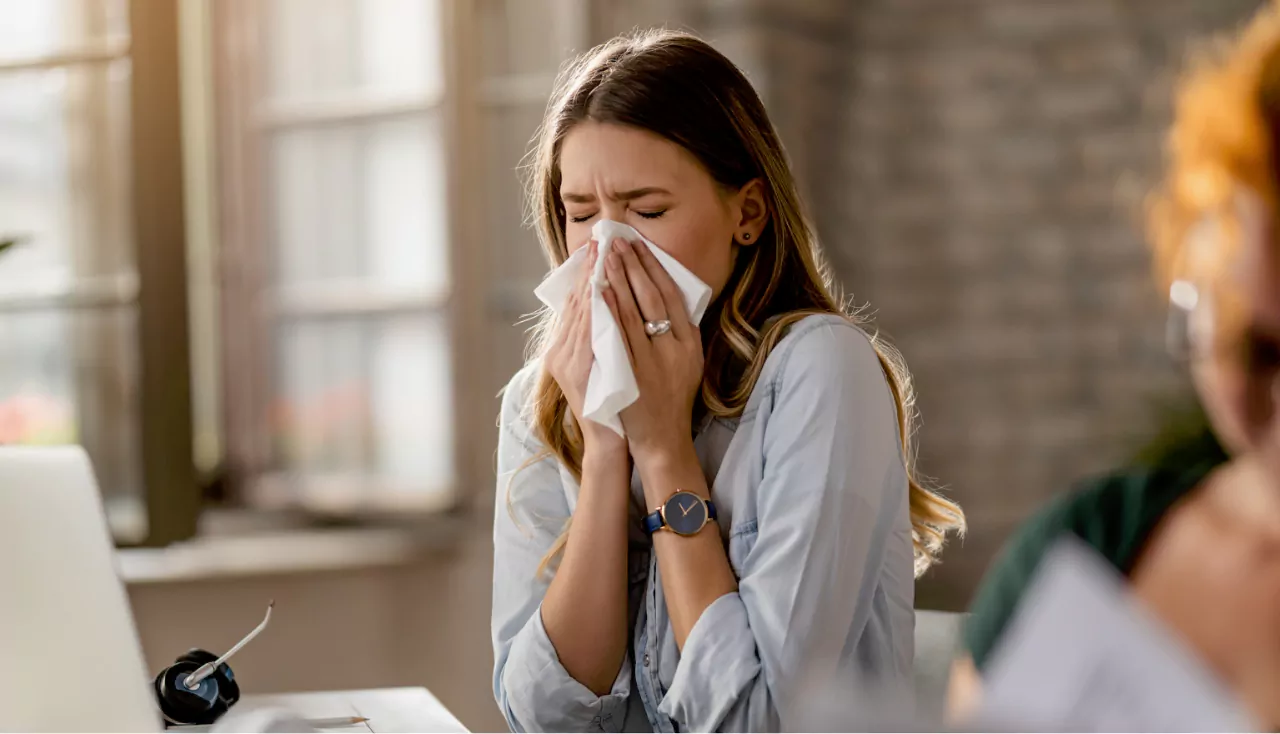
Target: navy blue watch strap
(652, 522)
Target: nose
(615, 210)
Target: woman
(778, 417)
(1198, 538)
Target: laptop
(70, 659)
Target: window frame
(157, 287)
(159, 203)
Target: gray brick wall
(976, 168)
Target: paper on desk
(260, 720)
(1081, 653)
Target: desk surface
(388, 709)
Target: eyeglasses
(1184, 297)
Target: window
(76, 341)
(293, 251)
(339, 369)
(374, 239)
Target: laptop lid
(70, 659)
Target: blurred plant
(32, 417)
(324, 428)
(36, 418)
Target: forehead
(622, 157)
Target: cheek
(704, 247)
(1222, 393)
(576, 236)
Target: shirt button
(646, 660)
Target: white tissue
(611, 386)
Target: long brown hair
(677, 86)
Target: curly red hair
(1223, 142)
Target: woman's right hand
(569, 359)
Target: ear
(752, 210)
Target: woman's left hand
(668, 366)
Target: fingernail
(614, 261)
(622, 245)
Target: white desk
(388, 709)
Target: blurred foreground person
(1197, 539)
(762, 502)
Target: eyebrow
(619, 196)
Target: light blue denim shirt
(811, 493)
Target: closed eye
(588, 217)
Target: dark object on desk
(203, 704)
(199, 687)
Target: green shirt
(1115, 515)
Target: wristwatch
(684, 513)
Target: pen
(336, 722)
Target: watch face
(685, 513)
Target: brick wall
(976, 169)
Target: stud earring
(746, 236)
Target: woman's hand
(668, 366)
(569, 358)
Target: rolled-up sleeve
(532, 688)
(832, 491)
